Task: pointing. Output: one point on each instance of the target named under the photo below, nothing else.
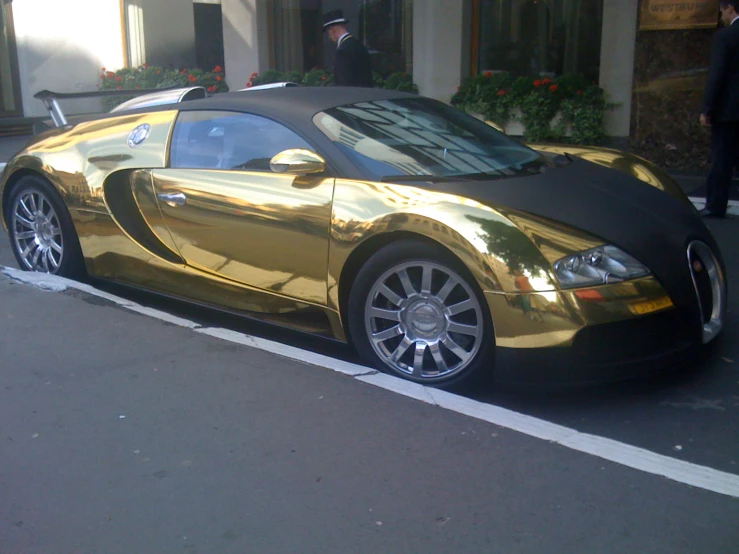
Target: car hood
(621, 210)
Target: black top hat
(333, 17)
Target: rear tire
(414, 311)
(42, 236)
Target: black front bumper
(607, 353)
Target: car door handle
(172, 199)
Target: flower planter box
(514, 127)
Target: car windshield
(423, 139)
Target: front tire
(41, 232)
(415, 312)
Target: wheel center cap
(425, 319)
(42, 228)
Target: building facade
(62, 46)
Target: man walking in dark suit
(352, 66)
(720, 110)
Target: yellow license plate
(649, 306)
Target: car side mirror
(495, 126)
(297, 162)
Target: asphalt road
(121, 433)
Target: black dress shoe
(705, 212)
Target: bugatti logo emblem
(697, 266)
(138, 135)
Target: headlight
(598, 266)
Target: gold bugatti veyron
(443, 250)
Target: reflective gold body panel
(265, 230)
(281, 247)
(543, 319)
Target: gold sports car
(443, 250)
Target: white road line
(617, 452)
(59, 284)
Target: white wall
(62, 46)
(245, 40)
(618, 44)
(438, 43)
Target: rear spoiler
(142, 98)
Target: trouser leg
(723, 152)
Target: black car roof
(300, 101)
(295, 104)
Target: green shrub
(317, 78)
(581, 105)
(488, 94)
(321, 78)
(153, 77)
(400, 81)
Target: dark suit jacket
(721, 97)
(352, 67)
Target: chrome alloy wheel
(37, 234)
(423, 320)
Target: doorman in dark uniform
(352, 66)
(720, 110)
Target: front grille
(710, 288)
(634, 339)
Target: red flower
(159, 72)
(487, 74)
(144, 65)
(248, 84)
(217, 69)
(103, 70)
(323, 77)
(546, 81)
(184, 70)
(117, 77)
(553, 88)
(192, 78)
(118, 87)
(211, 88)
(219, 78)
(110, 74)
(579, 92)
(537, 83)
(253, 74)
(501, 93)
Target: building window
(299, 44)
(134, 23)
(208, 19)
(538, 38)
(386, 29)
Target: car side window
(228, 140)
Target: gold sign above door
(659, 15)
